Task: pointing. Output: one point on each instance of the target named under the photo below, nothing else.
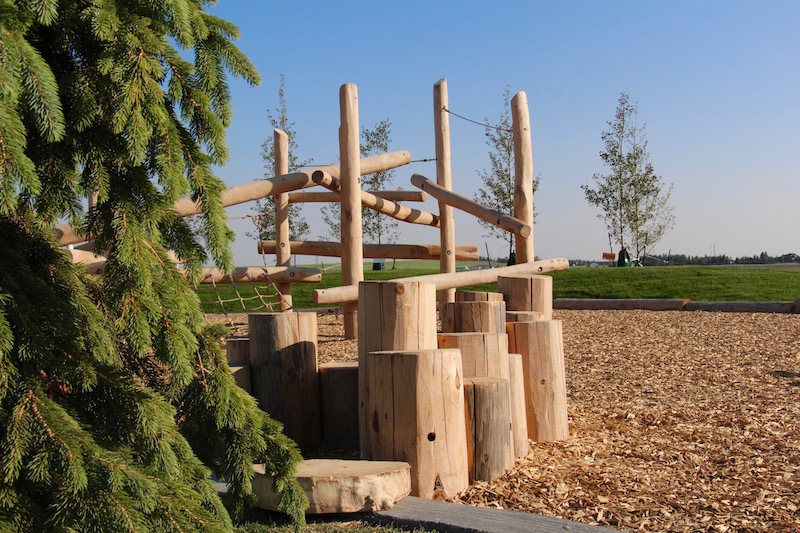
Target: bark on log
(415, 406)
(449, 280)
(283, 367)
(464, 252)
(463, 317)
(487, 418)
(496, 218)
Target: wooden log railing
(464, 252)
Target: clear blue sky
(717, 84)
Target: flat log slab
(341, 486)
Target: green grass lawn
(698, 283)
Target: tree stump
(415, 409)
(487, 415)
(338, 383)
(519, 419)
(483, 355)
(474, 317)
(527, 293)
(542, 347)
(392, 315)
(283, 368)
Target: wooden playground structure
(456, 404)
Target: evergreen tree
(377, 227)
(498, 181)
(633, 200)
(265, 209)
(116, 402)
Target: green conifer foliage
(116, 401)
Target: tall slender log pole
(444, 177)
(523, 174)
(352, 238)
(283, 253)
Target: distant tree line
(681, 259)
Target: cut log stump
(465, 317)
(528, 293)
(487, 418)
(338, 384)
(340, 486)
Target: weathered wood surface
(341, 486)
(333, 197)
(483, 355)
(237, 352)
(449, 280)
(261, 275)
(381, 205)
(542, 347)
(338, 383)
(415, 413)
(283, 368)
(523, 174)
(393, 315)
(523, 316)
(478, 296)
(444, 179)
(519, 419)
(283, 251)
(258, 189)
(487, 417)
(492, 216)
(527, 293)
(464, 252)
(465, 317)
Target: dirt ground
(679, 421)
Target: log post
(352, 238)
(542, 347)
(463, 317)
(483, 355)
(523, 174)
(338, 383)
(464, 252)
(528, 293)
(237, 351)
(392, 315)
(283, 253)
(487, 414)
(523, 316)
(477, 296)
(415, 407)
(519, 420)
(444, 177)
(283, 367)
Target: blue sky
(717, 84)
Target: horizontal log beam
(466, 252)
(452, 280)
(258, 189)
(387, 207)
(261, 275)
(330, 196)
(496, 218)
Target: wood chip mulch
(679, 421)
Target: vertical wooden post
(392, 315)
(523, 174)
(444, 177)
(487, 413)
(528, 293)
(519, 420)
(237, 352)
(483, 355)
(415, 407)
(542, 347)
(352, 238)
(338, 383)
(283, 251)
(478, 296)
(488, 317)
(283, 369)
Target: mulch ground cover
(679, 421)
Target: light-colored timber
(415, 411)
(283, 369)
(528, 293)
(474, 316)
(449, 280)
(338, 383)
(332, 197)
(258, 189)
(464, 252)
(492, 216)
(487, 417)
(444, 179)
(261, 275)
(283, 252)
(478, 296)
(542, 347)
(483, 355)
(523, 174)
(381, 205)
(393, 315)
(350, 222)
(519, 419)
(523, 316)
